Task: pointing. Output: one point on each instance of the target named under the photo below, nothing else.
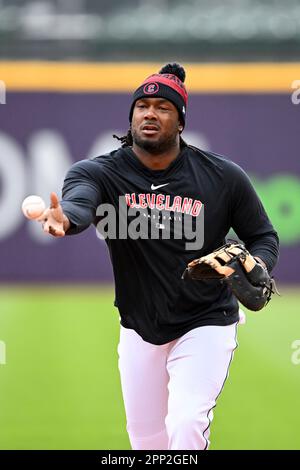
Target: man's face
(155, 124)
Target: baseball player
(177, 334)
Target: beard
(155, 147)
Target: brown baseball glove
(249, 281)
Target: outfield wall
(53, 114)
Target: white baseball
(33, 207)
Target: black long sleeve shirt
(151, 296)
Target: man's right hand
(54, 221)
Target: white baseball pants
(170, 390)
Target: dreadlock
(127, 141)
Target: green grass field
(60, 389)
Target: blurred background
(67, 71)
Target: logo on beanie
(151, 88)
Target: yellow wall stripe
(125, 77)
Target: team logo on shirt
(163, 202)
(153, 216)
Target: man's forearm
(265, 247)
